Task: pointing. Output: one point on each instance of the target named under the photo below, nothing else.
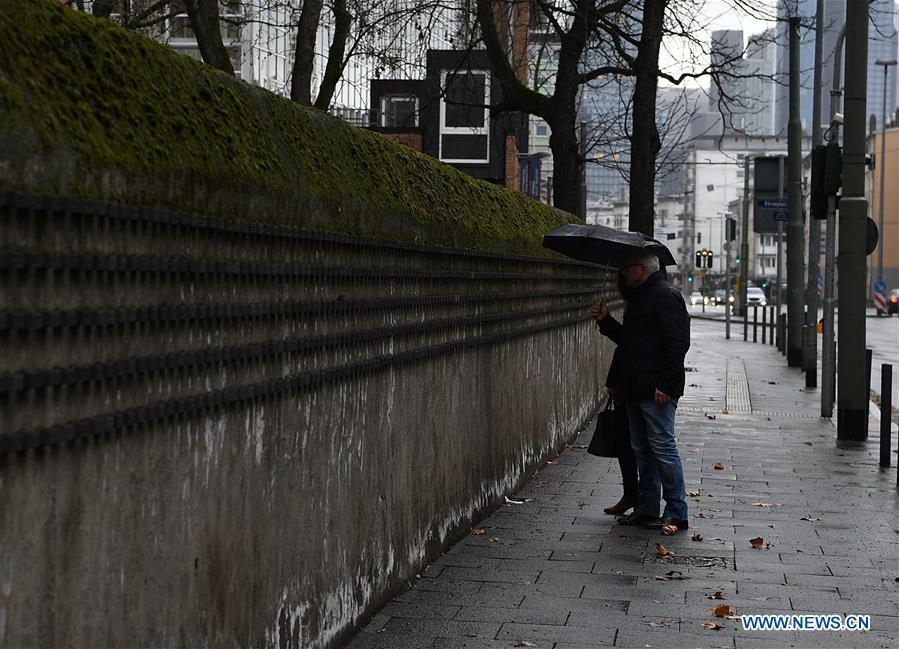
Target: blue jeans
(658, 462)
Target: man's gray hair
(649, 260)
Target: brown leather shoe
(621, 506)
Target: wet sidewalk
(551, 570)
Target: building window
(399, 111)
(464, 117)
(541, 129)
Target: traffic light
(731, 229)
(764, 283)
(827, 168)
(699, 237)
(689, 279)
(699, 258)
(708, 259)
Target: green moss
(119, 101)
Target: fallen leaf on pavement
(544, 482)
(718, 466)
(710, 417)
(693, 494)
(725, 412)
(716, 595)
(722, 610)
(676, 574)
(526, 643)
(478, 531)
(696, 450)
(552, 462)
(701, 515)
(809, 518)
(767, 505)
(772, 382)
(662, 550)
(696, 537)
(712, 626)
(660, 578)
(693, 385)
(711, 398)
(493, 539)
(757, 542)
(510, 501)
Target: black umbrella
(599, 244)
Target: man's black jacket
(652, 341)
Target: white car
(695, 298)
(755, 295)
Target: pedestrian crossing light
(708, 259)
(699, 258)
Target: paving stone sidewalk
(555, 572)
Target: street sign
(781, 215)
(772, 203)
(880, 286)
(770, 186)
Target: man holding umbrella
(653, 340)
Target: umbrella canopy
(599, 244)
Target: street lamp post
(886, 63)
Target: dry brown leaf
(693, 494)
(767, 505)
(544, 482)
(716, 595)
(696, 450)
(478, 531)
(676, 574)
(757, 542)
(714, 626)
(718, 466)
(722, 610)
(710, 417)
(701, 515)
(711, 398)
(493, 539)
(526, 643)
(660, 578)
(772, 382)
(696, 536)
(662, 550)
(552, 462)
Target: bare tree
(206, 24)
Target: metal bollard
(868, 355)
(886, 413)
(771, 332)
(745, 322)
(755, 322)
(764, 325)
(782, 333)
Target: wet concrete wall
(242, 435)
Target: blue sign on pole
(880, 286)
(772, 203)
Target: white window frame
(464, 130)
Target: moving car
(755, 295)
(695, 298)
(893, 302)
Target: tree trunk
(645, 142)
(204, 20)
(336, 51)
(566, 163)
(304, 57)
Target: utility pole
(886, 63)
(810, 347)
(744, 246)
(852, 407)
(828, 346)
(795, 228)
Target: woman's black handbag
(611, 431)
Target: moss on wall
(93, 110)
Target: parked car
(755, 295)
(893, 302)
(695, 298)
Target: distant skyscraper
(882, 43)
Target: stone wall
(226, 434)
